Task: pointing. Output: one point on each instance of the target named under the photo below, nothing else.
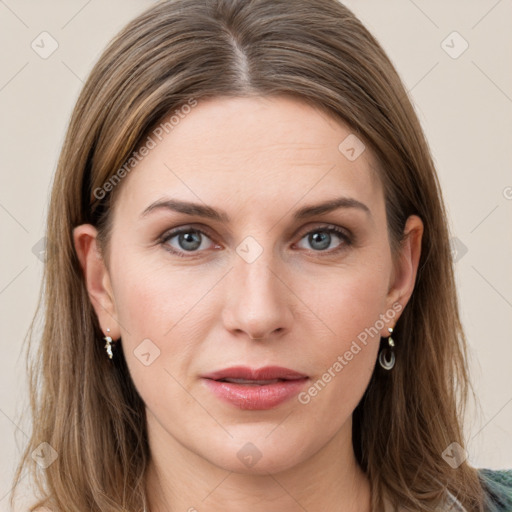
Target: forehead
(256, 149)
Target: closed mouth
(252, 382)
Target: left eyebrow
(328, 206)
(202, 210)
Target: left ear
(403, 279)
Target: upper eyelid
(171, 233)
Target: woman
(250, 301)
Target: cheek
(150, 299)
(348, 300)
(350, 304)
(154, 307)
(171, 307)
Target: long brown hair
(177, 51)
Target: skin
(259, 160)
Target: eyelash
(347, 241)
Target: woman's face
(251, 265)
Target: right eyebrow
(187, 208)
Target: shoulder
(498, 487)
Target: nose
(259, 303)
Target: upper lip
(265, 373)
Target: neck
(329, 480)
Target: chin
(257, 455)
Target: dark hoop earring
(387, 354)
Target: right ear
(97, 278)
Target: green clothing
(498, 486)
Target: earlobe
(96, 277)
(406, 267)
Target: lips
(268, 373)
(255, 389)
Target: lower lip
(254, 397)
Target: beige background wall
(464, 101)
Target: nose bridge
(253, 270)
(258, 301)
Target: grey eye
(188, 240)
(321, 239)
